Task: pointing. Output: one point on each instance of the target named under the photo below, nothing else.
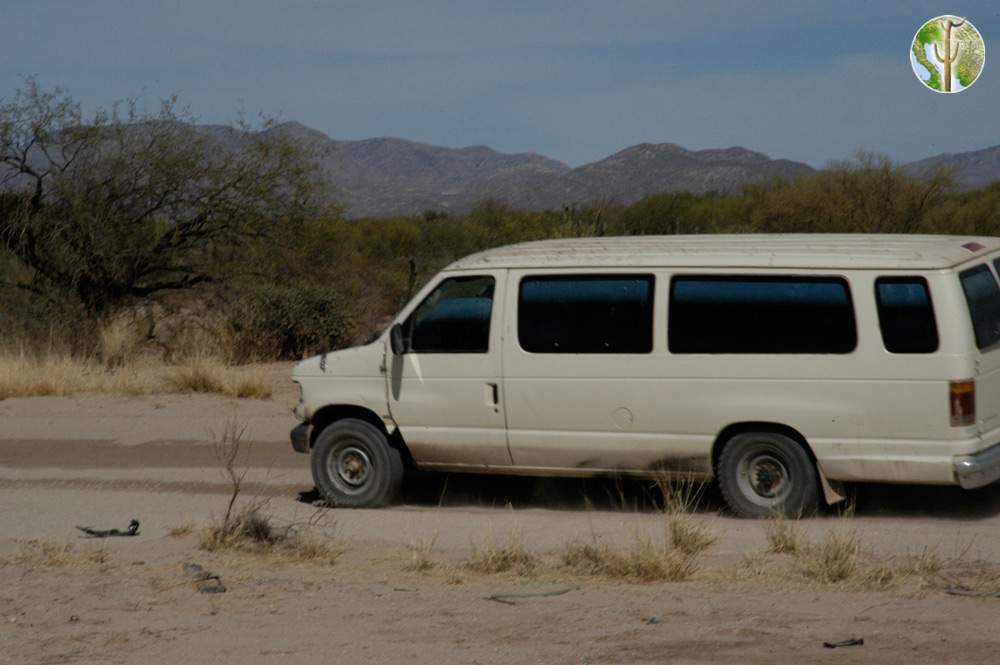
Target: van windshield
(983, 297)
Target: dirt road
(101, 461)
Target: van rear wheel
(354, 466)
(762, 474)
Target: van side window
(983, 297)
(586, 314)
(454, 318)
(748, 314)
(906, 315)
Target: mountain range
(381, 177)
(391, 176)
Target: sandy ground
(101, 461)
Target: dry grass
(783, 536)
(61, 374)
(120, 342)
(753, 566)
(45, 554)
(182, 529)
(251, 531)
(420, 551)
(55, 374)
(248, 528)
(680, 496)
(833, 559)
(688, 537)
(211, 375)
(926, 564)
(674, 557)
(499, 555)
(642, 558)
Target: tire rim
(763, 477)
(350, 469)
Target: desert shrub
(643, 558)
(501, 554)
(285, 322)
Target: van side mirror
(396, 340)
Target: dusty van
(780, 365)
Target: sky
(575, 80)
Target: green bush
(285, 322)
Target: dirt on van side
(99, 461)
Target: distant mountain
(970, 170)
(651, 168)
(389, 176)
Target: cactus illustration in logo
(947, 54)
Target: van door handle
(492, 394)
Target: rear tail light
(962, 398)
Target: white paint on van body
(868, 415)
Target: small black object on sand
(853, 642)
(132, 530)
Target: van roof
(760, 250)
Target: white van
(781, 365)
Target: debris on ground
(132, 530)
(511, 598)
(206, 581)
(852, 642)
(960, 590)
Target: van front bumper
(980, 469)
(300, 437)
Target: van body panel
(988, 392)
(346, 377)
(443, 403)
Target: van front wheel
(762, 474)
(354, 466)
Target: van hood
(358, 361)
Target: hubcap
(763, 477)
(351, 468)
(767, 476)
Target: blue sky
(812, 81)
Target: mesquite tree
(125, 204)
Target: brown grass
(120, 342)
(60, 374)
(251, 531)
(211, 375)
(833, 559)
(420, 554)
(499, 555)
(680, 496)
(45, 554)
(754, 565)
(688, 537)
(246, 527)
(927, 563)
(783, 536)
(55, 374)
(642, 558)
(182, 529)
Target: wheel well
(334, 412)
(732, 430)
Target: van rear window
(722, 314)
(906, 315)
(983, 298)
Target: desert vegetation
(132, 239)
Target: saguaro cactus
(949, 56)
